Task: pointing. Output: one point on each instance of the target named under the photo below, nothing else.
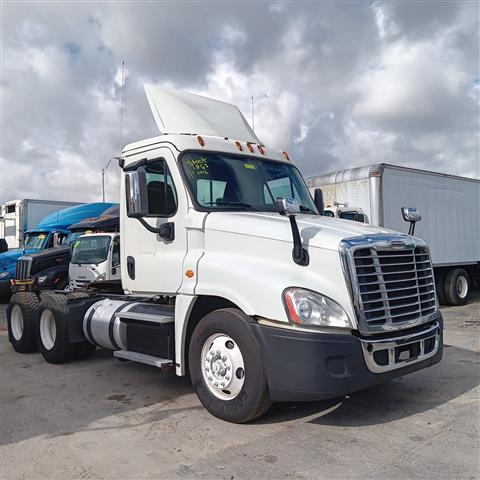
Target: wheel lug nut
(228, 368)
(224, 358)
(218, 352)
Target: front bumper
(5, 290)
(314, 366)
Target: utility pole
(104, 169)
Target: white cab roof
(185, 113)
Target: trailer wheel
(226, 367)
(22, 315)
(457, 286)
(52, 335)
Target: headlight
(309, 308)
(42, 278)
(4, 274)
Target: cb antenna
(253, 117)
(122, 107)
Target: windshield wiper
(234, 204)
(307, 210)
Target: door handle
(131, 267)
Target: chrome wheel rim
(48, 329)
(223, 367)
(462, 286)
(16, 322)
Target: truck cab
(230, 273)
(95, 257)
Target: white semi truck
(18, 216)
(231, 274)
(450, 206)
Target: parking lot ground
(102, 419)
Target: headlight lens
(42, 278)
(309, 308)
(4, 274)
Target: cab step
(142, 358)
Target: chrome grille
(392, 282)
(23, 268)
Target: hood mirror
(412, 215)
(289, 207)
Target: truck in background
(95, 257)
(231, 273)
(450, 206)
(48, 269)
(18, 216)
(50, 232)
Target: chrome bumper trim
(369, 347)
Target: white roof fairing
(185, 113)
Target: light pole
(104, 169)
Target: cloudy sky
(335, 84)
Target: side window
(162, 197)
(116, 252)
(209, 191)
(280, 187)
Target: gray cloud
(336, 86)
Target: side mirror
(318, 199)
(288, 207)
(114, 270)
(412, 215)
(136, 194)
(57, 239)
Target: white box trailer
(448, 204)
(18, 216)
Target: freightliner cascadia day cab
(230, 274)
(449, 204)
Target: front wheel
(226, 367)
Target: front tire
(457, 286)
(226, 367)
(22, 316)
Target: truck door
(114, 273)
(152, 264)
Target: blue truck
(51, 231)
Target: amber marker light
(189, 273)
(291, 308)
(285, 156)
(201, 141)
(250, 147)
(239, 146)
(261, 149)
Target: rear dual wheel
(22, 316)
(457, 286)
(52, 332)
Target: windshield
(91, 249)
(228, 182)
(72, 236)
(36, 241)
